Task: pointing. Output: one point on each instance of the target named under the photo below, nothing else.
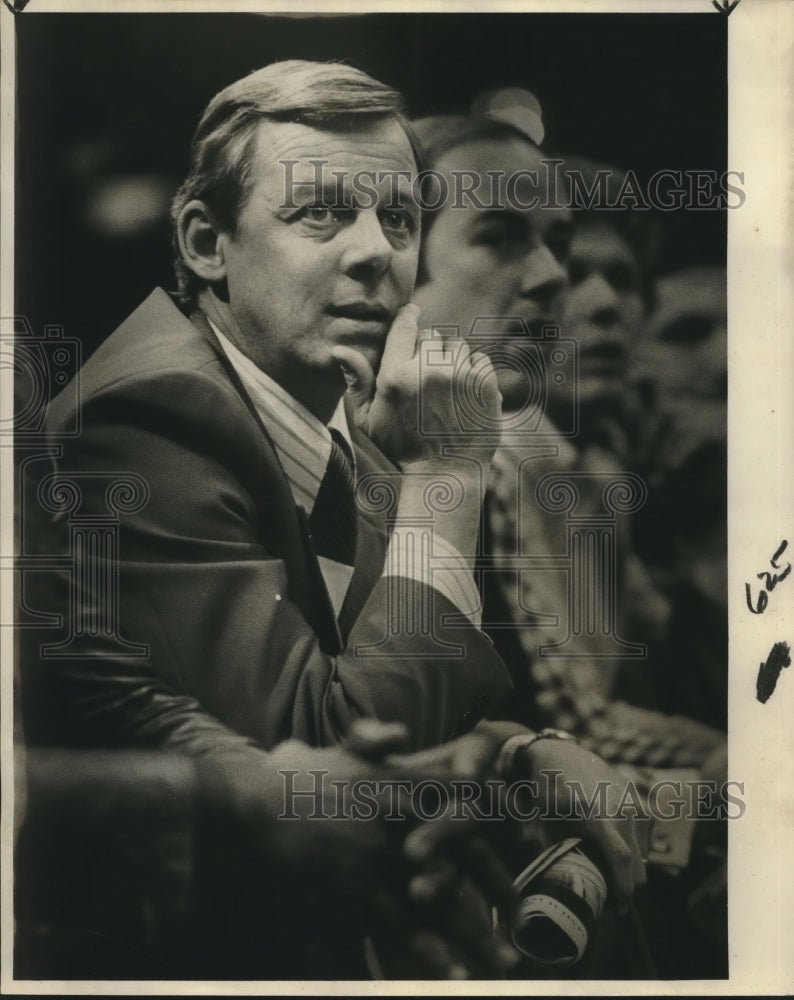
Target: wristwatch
(521, 741)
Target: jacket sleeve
(208, 643)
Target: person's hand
(558, 766)
(414, 405)
(445, 928)
(342, 824)
(471, 756)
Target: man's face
(603, 308)
(497, 262)
(685, 354)
(312, 265)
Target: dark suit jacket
(217, 578)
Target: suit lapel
(305, 582)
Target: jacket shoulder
(156, 356)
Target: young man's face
(603, 308)
(685, 353)
(305, 270)
(497, 262)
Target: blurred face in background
(684, 356)
(604, 308)
(507, 263)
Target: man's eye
(325, 215)
(318, 213)
(500, 239)
(397, 220)
(687, 330)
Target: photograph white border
(761, 498)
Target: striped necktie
(333, 520)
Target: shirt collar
(267, 390)
(302, 441)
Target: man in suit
(250, 606)
(265, 607)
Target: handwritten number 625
(772, 579)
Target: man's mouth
(364, 312)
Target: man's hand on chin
(412, 412)
(412, 409)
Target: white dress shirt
(303, 447)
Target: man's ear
(200, 243)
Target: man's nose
(544, 277)
(367, 251)
(603, 305)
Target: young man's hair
(331, 96)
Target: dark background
(106, 97)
